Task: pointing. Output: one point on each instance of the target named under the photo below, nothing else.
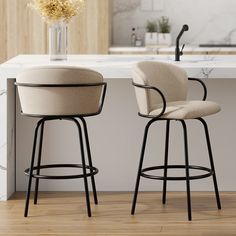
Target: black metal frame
(143, 171)
(40, 125)
(203, 86)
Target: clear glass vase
(58, 40)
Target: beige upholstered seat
(61, 93)
(161, 91)
(172, 82)
(59, 101)
(187, 109)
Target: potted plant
(151, 36)
(164, 36)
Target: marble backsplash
(210, 21)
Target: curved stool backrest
(60, 91)
(170, 79)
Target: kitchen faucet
(179, 53)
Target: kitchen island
(116, 134)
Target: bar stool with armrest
(61, 93)
(161, 93)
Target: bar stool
(161, 93)
(61, 93)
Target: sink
(196, 60)
(217, 45)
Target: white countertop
(194, 49)
(120, 66)
(170, 50)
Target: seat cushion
(187, 109)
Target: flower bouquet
(58, 13)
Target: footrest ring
(202, 176)
(92, 171)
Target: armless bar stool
(161, 92)
(61, 93)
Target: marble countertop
(195, 49)
(170, 50)
(120, 66)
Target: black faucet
(179, 53)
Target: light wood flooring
(65, 214)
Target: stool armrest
(104, 84)
(147, 87)
(203, 85)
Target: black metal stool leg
(31, 169)
(140, 165)
(211, 162)
(166, 161)
(39, 163)
(89, 159)
(84, 167)
(187, 169)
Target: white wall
(209, 20)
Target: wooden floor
(65, 214)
